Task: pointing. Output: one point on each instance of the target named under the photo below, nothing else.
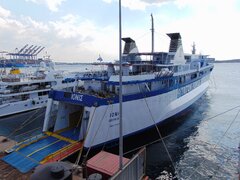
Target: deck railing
(134, 169)
(25, 138)
(28, 135)
(63, 153)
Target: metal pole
(152, 33)
(120, 91)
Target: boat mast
(120, 91)
(152, 33)
(193, 48)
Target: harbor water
(204, 142)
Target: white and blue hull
(23, 106)
(152, 92)
(139, 114)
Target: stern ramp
(51, 147)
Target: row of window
(38, 102)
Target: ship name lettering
(77, 97)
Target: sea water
(205, 145)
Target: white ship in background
(21, 92)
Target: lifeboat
(15, 71)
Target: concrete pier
(6, 143)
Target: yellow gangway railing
(23, 144)
(60, 137)
(63, 153)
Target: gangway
(49, 148)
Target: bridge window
(193, 76)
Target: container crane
(22, 49)
(38, 51)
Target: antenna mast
(152, 33)
(193, 48)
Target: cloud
(211, 24)
(83, 35)
(72, 26)
(4, 12)
(6, 21)
(52, 5)
(139, 4)
(36, 25)
(68, 38)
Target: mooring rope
(230, 125)
(80, 153)
(26, 122)
(159, 133)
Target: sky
(81, 30)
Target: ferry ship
(88, 117)
(153, 90)
(21, 92)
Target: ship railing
(100, 94)
(101, 75)
(10, 100)
(134, 169)
(6, 79)
(37, 78)
(21, 91)
(29, 135)
(63, 152)
(21, 140)
(5, 105)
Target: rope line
(96, 131)
(107, 133)
(161, 137)
(159, 133)
(25, 123)
(196, 169)
(218, 167)
(80, 152)
(143, 35)
(170, 135)
(106, 138)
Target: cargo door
(75, 118)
